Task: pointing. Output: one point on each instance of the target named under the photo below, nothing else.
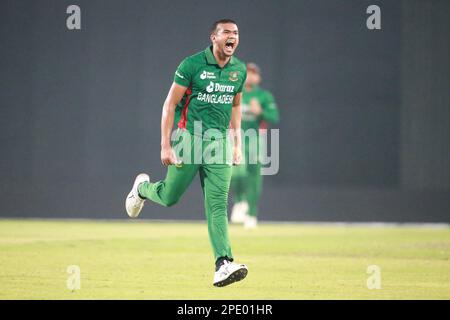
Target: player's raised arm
(174, 96)
(236, 128)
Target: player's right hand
(237, 156)
(255, 107)
(168, 156)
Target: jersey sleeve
(270, 111)
(239, 90)
(183, 74)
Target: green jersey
(269, 108)
(210, 91)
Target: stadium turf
(155, 260)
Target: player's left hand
(237, 156)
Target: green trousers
(215, 176)
(246, 181)
(246, 185)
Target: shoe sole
(236, 276)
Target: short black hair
(215, 24)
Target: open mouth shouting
(230, 45)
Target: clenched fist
(168, 156)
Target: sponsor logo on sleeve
(179, 74)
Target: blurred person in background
(258, 108)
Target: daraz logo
(219, 87)
(210, 87)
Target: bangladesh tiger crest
(234, 76)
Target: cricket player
(258, 109)
(207, 88)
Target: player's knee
(171, 201)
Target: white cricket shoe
(239, 212)
(228, 273)
(134, 203)
(251, 223)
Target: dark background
(365, 114)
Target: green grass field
(154, 260)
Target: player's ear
(212, 37)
